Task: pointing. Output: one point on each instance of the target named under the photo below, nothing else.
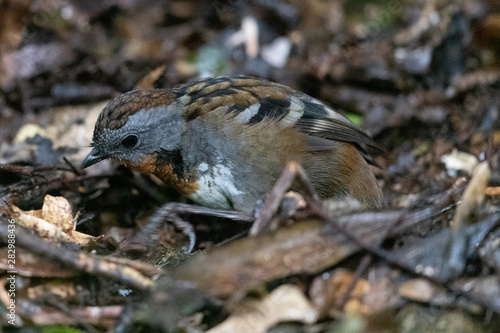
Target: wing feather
(252, 100)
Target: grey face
(120, 144)
(144, 133)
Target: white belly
(216, 187)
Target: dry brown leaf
(419, 290)
(286, 303)
(493, 191)
(29, 219)
(68, 127)
(329, 288)
(53, 221)
(57, 210)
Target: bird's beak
(92, 158)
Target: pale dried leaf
(472, 197)
(419, 290)
(44, 228)
(53, 221)
(286, 303)
(57, 210)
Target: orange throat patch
(150, 166)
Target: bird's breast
(211, 186)
(167, 172)
(216, 186)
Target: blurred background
(420, 76)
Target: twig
(29, 170)
(389, 258)
(84, 262)
(270, 206)
(365, 262)
(75, 170)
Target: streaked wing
(253, 100)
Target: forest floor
(422, 77)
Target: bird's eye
(130, 141)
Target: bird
(223, 141)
